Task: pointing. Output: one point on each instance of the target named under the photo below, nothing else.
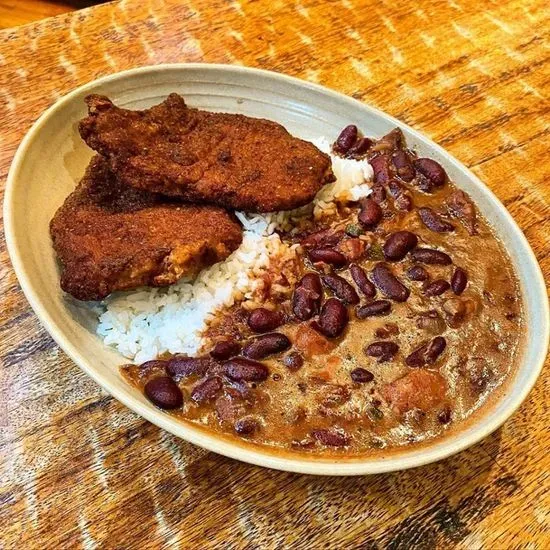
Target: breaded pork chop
(230, 160)
(109, 236)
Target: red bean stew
(399, 318)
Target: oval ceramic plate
(52, 158)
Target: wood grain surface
(16, 12)
(21, 12)
(79, 470)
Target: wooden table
(79, 470)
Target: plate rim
(211, 441)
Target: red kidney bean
(433, 221)
(293, 361)
(404, 202)
(312, 282)
(427, 354)
(362, 281)
(346, 139)
(265, 345)
(403, 165)
(332, 437)
(361, 376)
(370, 214)
(389, 284)
(323, 237)
(417, 358)
(435, 348)
(182, 366)
(461, 206)
(437, 287)
(207, 390)
(417, 273)
(329, 256)
(384, 350)
(341, 288)
(378, 194)
(241, 369)
(246, 426)
(431, 256)
(398, 244)
(307, 297)
(424, 184)
(459, 280)
(333, 318)
(402, 199)
(265, 320)
(381, 169)
(225, 349)
(432, 170)
(361, 146)
(305, 303)
(374, 309)
(395, 188)
(164, 393)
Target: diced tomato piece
(420, 389)
(310, 342)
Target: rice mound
(143, 324)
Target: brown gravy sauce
(402, 406)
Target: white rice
(144, 323)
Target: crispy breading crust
(112, 237)
(230, 160)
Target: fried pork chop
(109, 236)
(234, 161)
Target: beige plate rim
(257, 456)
